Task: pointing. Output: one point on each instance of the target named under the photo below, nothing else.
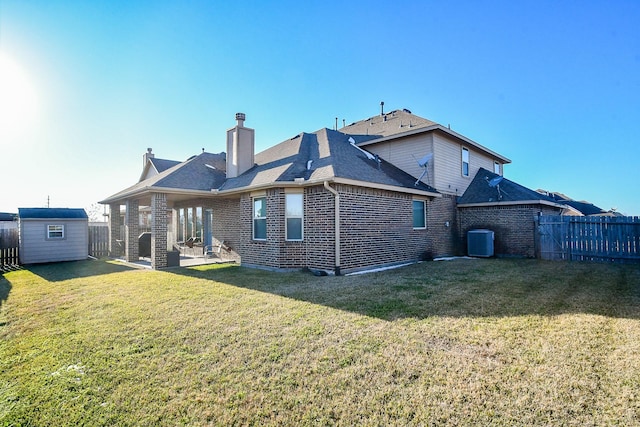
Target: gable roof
(392, 123)
(158, 166)
(321, 156)
(402, 123)
(481, 192)
(51, 213)
(200, 173)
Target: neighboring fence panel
(9, 243)
(615, 239)
(98, 241)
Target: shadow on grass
(59, 271)
(461, 288)
(5, 289)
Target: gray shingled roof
(331, 156)
(192, 174)
(397, 121)
(585, 208)
(162, 165)
(51, 213)
(479, 191)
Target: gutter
(337, 225)
(513, 203)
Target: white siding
(35, 248)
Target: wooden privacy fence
(9, 255)
(98, 241)
(584, 238)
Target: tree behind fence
(613, 239)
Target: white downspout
(337, 225)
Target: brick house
(379, 191)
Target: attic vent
(406, 111)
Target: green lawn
(481, 342)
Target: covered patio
(173, 204)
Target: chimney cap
(240, 116)
(149, 150)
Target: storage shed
(53, 234)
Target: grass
(489, 342)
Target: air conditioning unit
(480, 243)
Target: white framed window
(465, 162)
(419, 214)
(294, 214)
(55, 231)
(260, 218)
(496, 168)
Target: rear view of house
(53, 234)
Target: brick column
(115, 226)
(132, 223)
(158, 230)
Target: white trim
(424, 213)
(253, 218)
(442, 129)
(286, 218)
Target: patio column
(115, 227)
(158, 230)
(132, 224)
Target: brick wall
(376, 228)
(513, 226)
(159, 230)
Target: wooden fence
(611, 239)
(98, 241)
(9, 255)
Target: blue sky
(89, 85)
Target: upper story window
(260, 218)
(419, 214)
(465, 162)
(496, 168)
(55, 231)
(294, 213)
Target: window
(496, 168)
(294, 215)
(55, 231)
(465, 162)
(260, 218)
(419, 214)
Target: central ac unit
(480, 243)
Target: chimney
(146, 156)
(240, 148)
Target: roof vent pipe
(382, 108)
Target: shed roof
(52, 213)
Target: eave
(313, 182)
(514, 203)
(437, 127)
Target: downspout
(337, 225)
